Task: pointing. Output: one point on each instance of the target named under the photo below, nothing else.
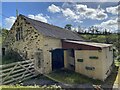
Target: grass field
(18, 87)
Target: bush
(11, 56)
(118, 58)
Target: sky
(78, 14)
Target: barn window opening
(19, 34)
(89, 68)
(93, 57)
(80, 60)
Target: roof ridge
(52, 30)
(45, 23)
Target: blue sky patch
(78, 14)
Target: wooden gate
(17, 72)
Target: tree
(68, 26)
(94, 30)
(97, 31)
(4, 33)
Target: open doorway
(71, 59)
(57, 59)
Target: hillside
(109, 39)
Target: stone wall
(31, 42)
(49, 45)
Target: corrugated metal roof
(53, 31)
(101, 45)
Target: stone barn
(53, 47)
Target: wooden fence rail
(17, 72)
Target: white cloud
(111, 25)
(66, 12)
(85, 12)
(81, 8)
(100, 15)
(113, 10)
(9, 22)
(39, 17)
(110, 22)
(53, 8)
(78, 12)
(69, 14)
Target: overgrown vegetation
(70, 77)
(4, 33)
(117, 63)
(109, 39)
(11, 56)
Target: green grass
(0, 39)
(39, 77)
(117, 63)
(70, 77)
(18, 87)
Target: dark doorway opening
(57, 59)
(3, 51)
